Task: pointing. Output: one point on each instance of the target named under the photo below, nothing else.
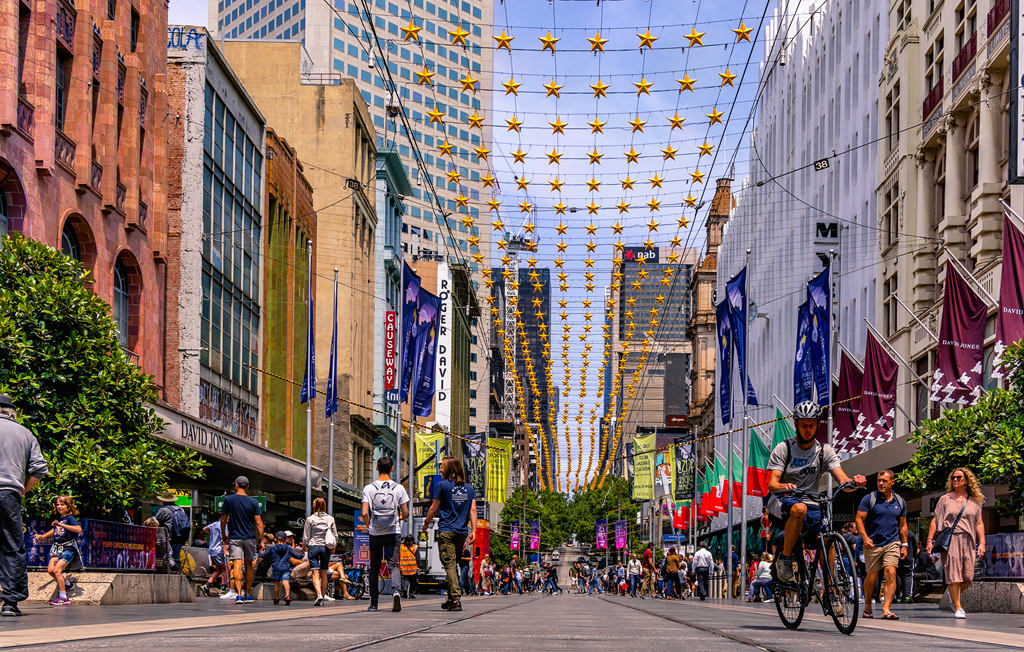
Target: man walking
(175, 520)
(633, 572)
(647, 565)
(882, 523)
(385, 505)
(240, 518)
(21, 467)
(702, 563)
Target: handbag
(945, 536)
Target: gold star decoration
(554, 156)
(446, 148)
(514, 124)
(511, 86)
(743, 32)
(716, 116)
(669, 152)
(643, 86)
(561, 228)
(423, 77)
(436, 116)
(593, 184)
(597, 127)
(697, 176)
(488, 180)
(468, 83)
(459, 35)
(597, 43)
(525, 206)
(528, 227)
(676, 122)
(654, 204)
(592, 208)
(705, 148)
(655, 181)
(632, 156)
(691, 201)
(623, 207)
(522, 182)
(591, 229)
(498, 224)
(686, 83)
(600, 88)
(638, 124)
(595, 156)
(683, 222)
(552, 88)
(617, 228)
(652, 225)
(627, 183)
(504, 41)
(548, 42)
(411, 32)
(558, 127)
(695, 37)
(560, 208)
(727, 77)
(519, 156)
(556, 185)
(481, 153)
(646, 40)
(493, 204)
(561, 246)
(453, 176)
(476, 120)
(461, 201)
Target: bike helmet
(806, 410)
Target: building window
(933, 63)
(62, 81)
(939, 189)
(111, 9)
(122, 302)
(892, 115)
(889, 308)
(890, 216)
(5, 220)
(966, 16)
(135, 29)
(69, 245)
(971, 168)
(24, 20)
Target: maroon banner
(957, 377)
(877, 396)
(1010, 320)
(844, 419)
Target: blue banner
(331, 403)
(820, 307)
(724, 360)
(736, 293)
(102, 544)
(309, 375)
(425, 349)
(803, 378)
(410, 303)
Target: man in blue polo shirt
(882, 524)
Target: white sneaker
(328, 598)
(960, 613)
(230, 595)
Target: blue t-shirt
(456, 499)
(882, 522)
(280, 554)
(60, 535)
(216, 545)
(242, 511)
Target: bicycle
(839, 592)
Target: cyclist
(798, 463)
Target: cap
(279, 534)
(242, 481)
(6, 401)
(289, 533)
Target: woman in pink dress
(968, 542)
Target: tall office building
(340, 42)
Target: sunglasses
(959, 477)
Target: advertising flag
(514, 539)
(620, 535)
(681, 514)
(684, 468)
(957, 377)
(783, 430)
(499, 459)
(643, 467)
(427, 443)
(1010, 319)
(736, 292)
(390, 350)
(425, 351)
(724, 365)
(410, 305)
(819, 305)
(474, 456)
(331, 401)
(721, 501)
(308, 391)
(736, 481)
(757, 466)
(664, 469)
(534, 535)
(844, 420)
(602, 534)
(702, 494)
(878, 394)
(630, 468)
(803, 374)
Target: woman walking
(959, 509)
(320, 536)
(454, 502)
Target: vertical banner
(736, 481)
(630, 467)
(499, 457)
(331, 400)
(684, 468)
(736, 293)
(443, 360)
(803, 374)
(534, 535)
(664, 469)
(425, 345)
(308, 391)
(757, 466)
(957, 376)
(878, 394)
(602, 534)
(681, 515)
(643, 467)
(851, 382)
(819, 305)
(410, 318)
(1010, 318)
(390, 349)
(514, 539)
(724, 365)
(620, 535)
(425, 451)
(360, 541)
(474, 456)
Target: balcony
(143, 102)
(122, 71)
(65, 24)
(1000, 10)
(119, 195)
(965, 56)
(932, 100)
(96, 176)
(132, 356)
(26, 121)
(64, 151)
(97, 51)
(143, 214)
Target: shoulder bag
(944, 536)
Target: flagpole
(746, 441)
(915, 318)
(963, 270)
(833, 280)
(333, 370)
(310, 384)
(1012, 213)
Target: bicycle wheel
(839, 582)
(789, 597)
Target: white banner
(443, 363)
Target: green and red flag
(783, 429)
(721, 498)
(757, 466)
(707, 491)
(681, 514)
(736, 481)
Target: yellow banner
(643, 467)
(424, 451)
(499, 459)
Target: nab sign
(636, 254)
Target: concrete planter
(113, 588)
(991, 597)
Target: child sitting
(280, 555)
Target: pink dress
(958, 562)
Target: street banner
(736, 293)
(630, 469)
(410, 315)
(102, 544)
(643, 467)
(482, 545)
(1010, 318)
(620, 535)
(514, 538)
(724, 365)
(684, 468)
(390, 349)
(534, 535)
(844, 419)
(784, 429)
(474, 457)
(709, 487)
(878, 394)
(722, 486)
(664, 469)
(957, 377)
(308, 391)
(442, 371)
(602, 534)
(757, 465)
(1004, 556)
(360, 541)
(499, 458)
(425, 350)
(425, 449)
(736, 481)
(803, 374)
(681, 515)
(819, 304)
(331, 400)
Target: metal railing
(933, 99)
(965, 56)
(64, 150)
(999, 11)
(26, 120)
(119, 196)
(96, 176)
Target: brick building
(83, 149)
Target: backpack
(902, 504)
(384, 508)
(180, 523)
